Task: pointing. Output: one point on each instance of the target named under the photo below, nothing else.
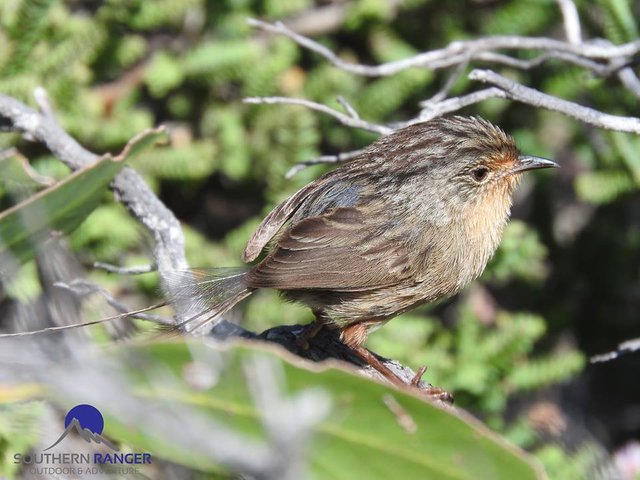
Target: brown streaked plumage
(413, 219)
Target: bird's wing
(273, 222)
(340, 250)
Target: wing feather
(338, 251)
(273, 222)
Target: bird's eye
(480, 174)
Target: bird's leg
(355, 335)
(375, 363)
(310, 331)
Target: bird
(413, 219)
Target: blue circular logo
(88, 417)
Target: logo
(87, 422)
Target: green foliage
(483, 365)
(621, 175)
(619, 23)
(520, 255)
(519, 17)
(575, 465)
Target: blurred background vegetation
(565, 283)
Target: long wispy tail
(201, 296)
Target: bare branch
(454, 104)
(458, 51)
(347, 120)
(128, 186)
(571, 21)
(530, 96)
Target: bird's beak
(526, 162)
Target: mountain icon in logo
(87, 421)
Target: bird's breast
(458, 253)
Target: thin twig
(456, 51)
(83, 288)
(348, 107)
(602, 69)
(625, 348)
(456, 103)
(448, 85)
(83, 324)
(137, 270)
(346, 120)
(530, 96)
(325, 159)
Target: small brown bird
(413, 219)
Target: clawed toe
(415, 381)
(432, 392)
(438, 394)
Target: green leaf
(63, 206)
(362, 438)
(16, 172)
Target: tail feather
(201, 296)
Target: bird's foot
(309, 331)
(433, 393)
(436, 393)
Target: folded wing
(342, 250)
